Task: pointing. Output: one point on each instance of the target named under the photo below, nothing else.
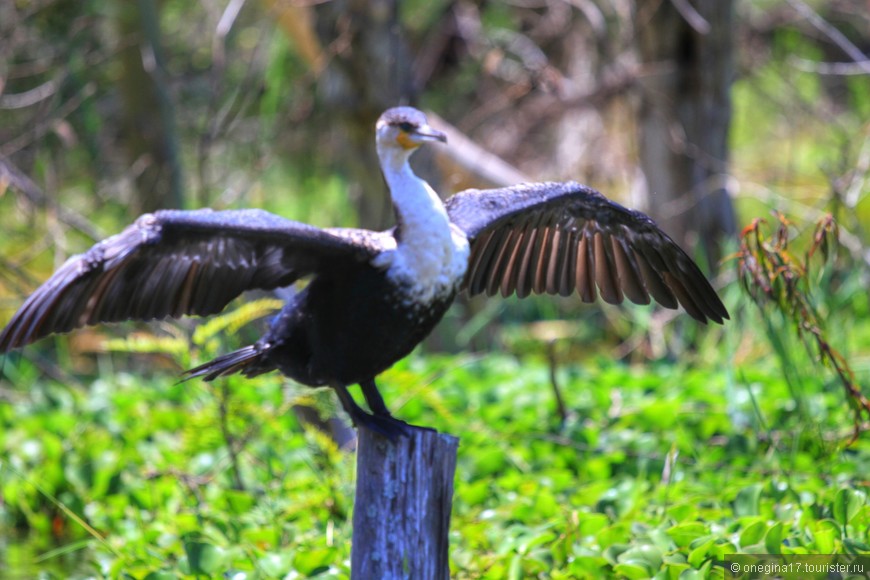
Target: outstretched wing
(172, 263)
(558, 238)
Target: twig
(12, 176)
(830, 68)
(698, 23)
(40, 129)
(229, 438)
(553, 362)
(832, 33)
(772, 275)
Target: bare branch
(698, 23)
(832, 33)
(31, 97)
(40, 129)
(11, 176)
(830, 68)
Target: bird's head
(403, 129)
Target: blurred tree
(684, 117)
(148, 124)
(547, 86)
(368, 71)
(359, 52)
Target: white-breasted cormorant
(372, 296)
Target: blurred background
(704, 115)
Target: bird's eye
(407, 127)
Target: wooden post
(401, 514)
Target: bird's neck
(419, 210)
(430, 257)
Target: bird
(371, 296)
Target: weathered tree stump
(401, 517)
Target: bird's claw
(387, 426)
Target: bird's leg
(374, 399)
(376, 403)
(385, 425)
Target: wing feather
(627, 271)
(561, 238)
(554, 260)
(501, 245)
(509, 263)
(566, 275)
(542, 257)
(585, 268)
(653, 282)
(525, 273)
(605, 274)
(479, 260)
(174, 263)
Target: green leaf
(699, 553)
(203, 557)
(661, 540)
(685, 534)
(773, 538)
(753, 533)
(475, 493)
(853, 546)
(846, 504)
(645, 555)
(160, 575)
(239, 502)
(276, 565)
(310, 561)
(515, 571)
(674, 570)
(748, 500)
(633, 571)
(592, 523)
(825, 534)
(613, 551)
(490, 462)
(690, 574)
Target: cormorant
(372, 296)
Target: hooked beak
(413, 139)
(427, 133)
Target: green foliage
(651, 476)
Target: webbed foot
(385, 425)
(380, 421)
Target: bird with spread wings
(372, 296)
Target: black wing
(172, 263)
(558, 238)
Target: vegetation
(661, 469)
(673, 445)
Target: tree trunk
(401, 515)
(150, 133)
(368, 71)
(684, 117)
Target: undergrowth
(659, 470)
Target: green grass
(660, 471)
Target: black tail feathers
(246, 360)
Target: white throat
(431, 255)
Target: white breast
(428, 267)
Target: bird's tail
(248, 360)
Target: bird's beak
(418, 136)
(427, 133)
